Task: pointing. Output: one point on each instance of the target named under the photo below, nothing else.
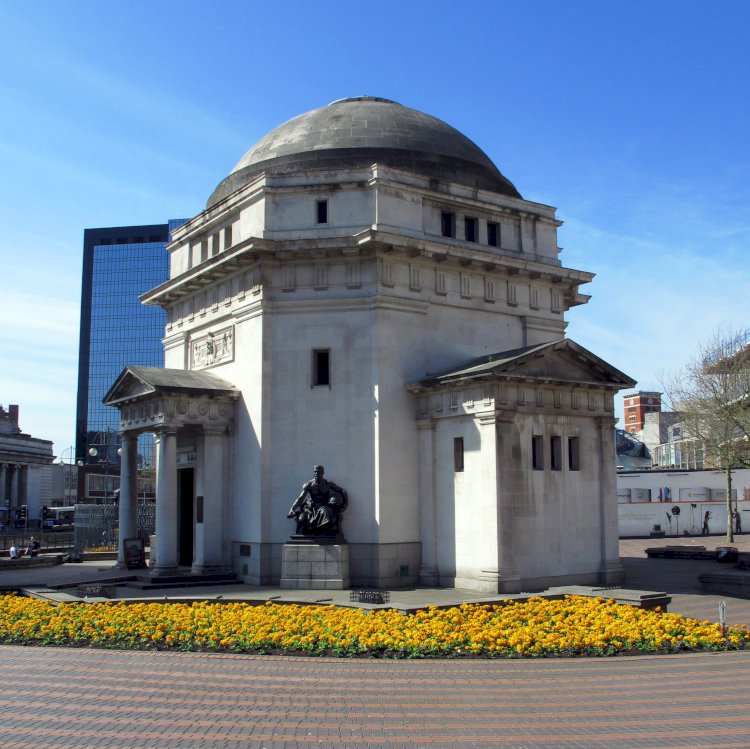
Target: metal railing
(51, 541)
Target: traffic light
(23, 514)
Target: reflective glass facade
(119, 264)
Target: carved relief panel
(214, 348)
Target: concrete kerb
(256, 598)
(671, 584)
(407, 601)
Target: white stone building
(365, 290)
(28, 478)
(646, 500)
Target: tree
(712, 393)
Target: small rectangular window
(533, 297)
(440, 282)
(492, 234)
(470, 229)
(512, 295)
(458, 454)
(574, 454)
(448, 224)
(322, 211)
(555, 453)
(537, 453)
(227, 237)
(556, 301)
(321, 367)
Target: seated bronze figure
(318, 508)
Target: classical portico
(192, 416)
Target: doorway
(186, 491)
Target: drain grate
(96, 591)
(370, 596)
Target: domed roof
(364, 130)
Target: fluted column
(3, 482)
(15, 485)
(166, 504)
(429, 573)
(128, 494)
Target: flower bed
(538, 627)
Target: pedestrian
(705, 530)
(32, 549)
(737, 521)
(14, 552)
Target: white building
(28, 479)
(647, 499)
(660, 428)
(366, 290)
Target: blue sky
(630, 117)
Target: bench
(679, 552)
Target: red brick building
(637, 405)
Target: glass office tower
(119, 264)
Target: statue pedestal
(309, 563)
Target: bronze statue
(318, 508)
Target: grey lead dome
(361, 131)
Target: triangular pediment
(559, 362)
(137, 383)
(127, 387)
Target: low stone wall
(24, 563)
(729, 583)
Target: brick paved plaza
(85, 698)
(65, 698)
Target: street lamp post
(70, 452)
(144, 480)
(93, 453)
(103, 439)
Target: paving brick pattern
(68, 698)
(679, 577)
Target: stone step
(181, 581)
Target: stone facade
(27, 475)
(325, 291)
